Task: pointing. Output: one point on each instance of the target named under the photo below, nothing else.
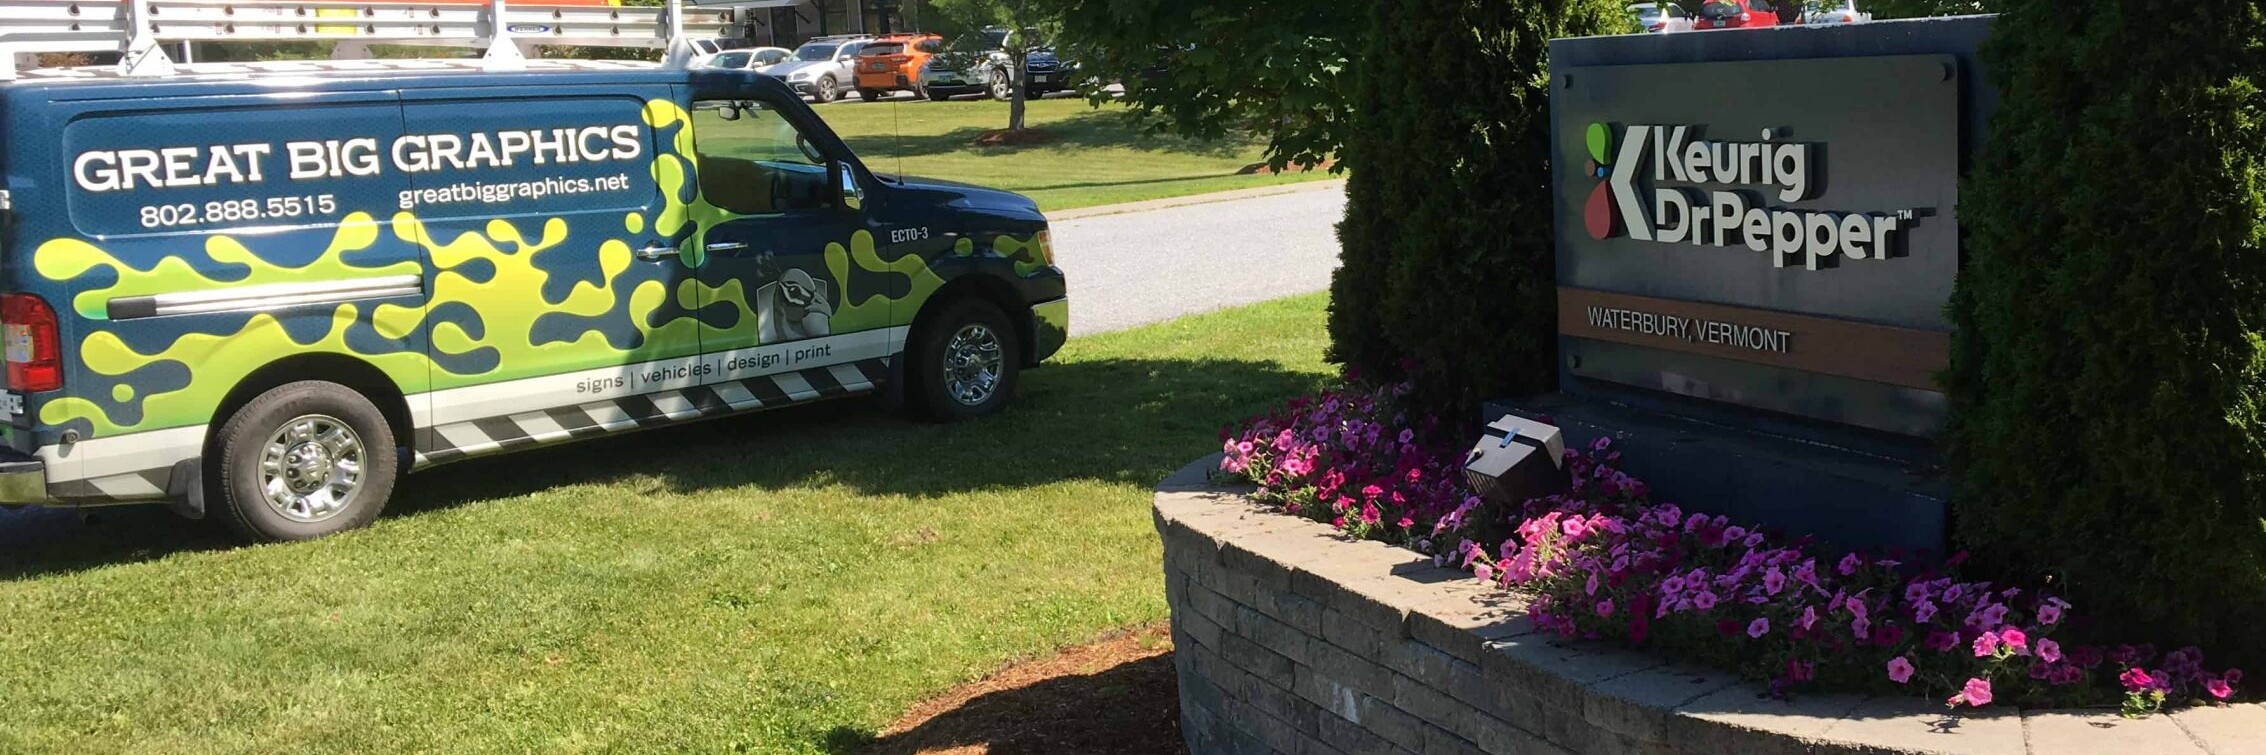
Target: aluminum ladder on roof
(136, 28)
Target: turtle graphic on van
(262, 292)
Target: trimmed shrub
(2108, 378)
(1448, 265)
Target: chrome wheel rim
(973, 363)
(311, 468)
(1002, 87)
(825, 90)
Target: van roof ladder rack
(138, 29)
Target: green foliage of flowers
(2108, 374)
(1448, 260)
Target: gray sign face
(1777, 234)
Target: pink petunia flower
(1605, 608)
(1899, 670)
(2135, 680)
(1809, 618)
(2014, 639)
(1849, 564)
(2219, 689)
(1757, 628)
(1773, 581)
(2049, 614)
(2049, 651)
(1705, 600)
(1986, 644)
(1977, 693)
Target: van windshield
(815, 51)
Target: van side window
(754, 161)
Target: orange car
(893, 63)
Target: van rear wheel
(301, 461)
(965, 363)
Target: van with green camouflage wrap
(263, 291)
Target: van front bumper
(23, 478)
(1050, 327)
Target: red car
(1746, 14)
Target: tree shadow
(1132, 708)
(1129, 421)
(1093, 129)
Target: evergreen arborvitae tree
(1448, 265)
(2108, 378)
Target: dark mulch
(1116, 696)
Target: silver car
(822, 67)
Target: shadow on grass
(1132, 708)
(1087, 130)
(1128, 421)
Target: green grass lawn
(782, 582)
(1099, 158)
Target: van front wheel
(965, 363)
(303, 460)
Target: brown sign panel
(1904, 357)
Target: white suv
(822, 67)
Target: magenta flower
(1773, 581)
(1809, 618)
(1705, 600)
(1605, 608)
(1757, 628)
(2013, 639)
(2049, 651)
(2219, 689)
(2050, 613)
(1849, 564)
(1899, 670)
(1924, 612)
(1977, 693)
(1986, 644)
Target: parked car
(243, 339)
(893, 63)
(978, 63)
(1824, 12)
(758, 59)
(822, 67)
(1745, 14)
(1661, 18)
(704, 48)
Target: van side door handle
(727, 246)
(656, 250)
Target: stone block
(2103, 732)
(1553, 671)
(1351, 635)
(1194, 477)
(1212, 605)
(1421, 662)
(1459, 623)
(1912, 725)
(1282, 704)
(1261, 662)
(1343, 667)
(1354, 739)
(1395, 725)
(1438, 741)
(1298, 611)
(2225, 730)
(1468, 684)
(1275, 734)
(1434, 707)
(1272, 554)
(1640, 705)
(1741, 719)
(1271, 634)
(1499, 737)
(1237, 587)
(1194, 625)
(1332, 697)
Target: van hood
(941, 193)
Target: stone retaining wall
(1291, 640)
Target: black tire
(936, 96)
(870, 95)
(238, 483)
(1001, 86)
(824, 90)
(932, 377)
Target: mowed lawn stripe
(782, 582)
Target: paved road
(1144, 266)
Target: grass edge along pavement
(787, 582)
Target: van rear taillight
(27, 326)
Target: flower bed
(1605, 561)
